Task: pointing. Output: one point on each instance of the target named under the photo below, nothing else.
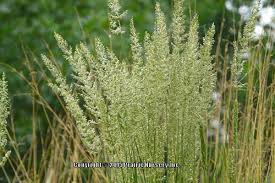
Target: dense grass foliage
(150, 110)
(158, 96)
(27, 28)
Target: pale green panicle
(115, 17)
(84, 126)
(241, 47)
(4, 113)
(136, 48)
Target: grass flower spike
(4, 112)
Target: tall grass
(154, 107)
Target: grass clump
(155, 106)
(149, 110)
